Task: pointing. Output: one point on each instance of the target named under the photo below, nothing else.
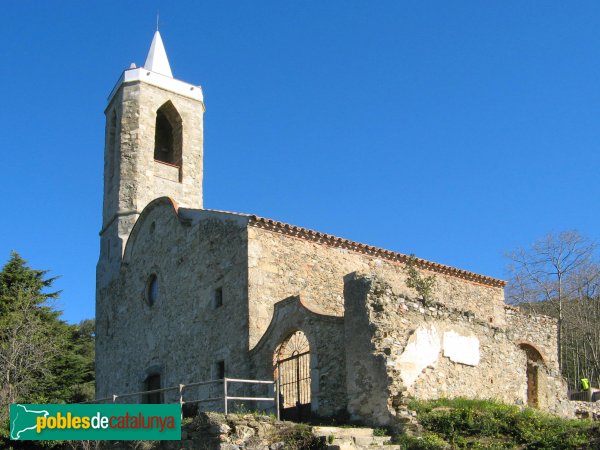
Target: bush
(487, 424)
(429, 441)
(380, 432)
(301, 438)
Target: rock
(220, 428)
(243, 433)
(229, 447)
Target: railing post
(181, 386)
(276, 396)
(225, 393)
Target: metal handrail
(590, 395)
(226, 398)
(237, 380)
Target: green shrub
(301, 438)
(428, 441)
(380, 432)
(487, 424)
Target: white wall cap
(158, 80)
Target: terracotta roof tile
(334, 241)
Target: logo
(95, 422)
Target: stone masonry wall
(141, 178)
(428, 351)
(327, 361)
(541, 333)
(134, 178)
(183, 335)
(367, 379)
(281, 266)
(586, 410)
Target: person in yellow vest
(585, 384)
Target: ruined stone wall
(182, 335)
(281, 266)
(367, 379)
(428, 351)
(586, 410)
(540, 333)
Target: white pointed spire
(157, 60)
(157, 72)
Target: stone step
(366, 441)
(382, 440)
(339, 438)
(340, 432)
(386, 447)
(355, 447)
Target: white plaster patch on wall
(422, 350)
(461, 349)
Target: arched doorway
(292, 370)
(534, 363)
(151, 383)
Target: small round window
(152, 289)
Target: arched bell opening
(168, 139)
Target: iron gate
(293, 374)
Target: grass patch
(428, 441)
(381, 432)
(473, 424)
(300, 438)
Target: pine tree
(42, 358)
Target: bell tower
(153, 148)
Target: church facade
(186, 294)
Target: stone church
(187, 294)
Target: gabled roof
(334, 241)
(191, 216)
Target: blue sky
(453, 130)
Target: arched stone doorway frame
(535, 369)
(293, 364)
(327, 383)
(153, 378)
